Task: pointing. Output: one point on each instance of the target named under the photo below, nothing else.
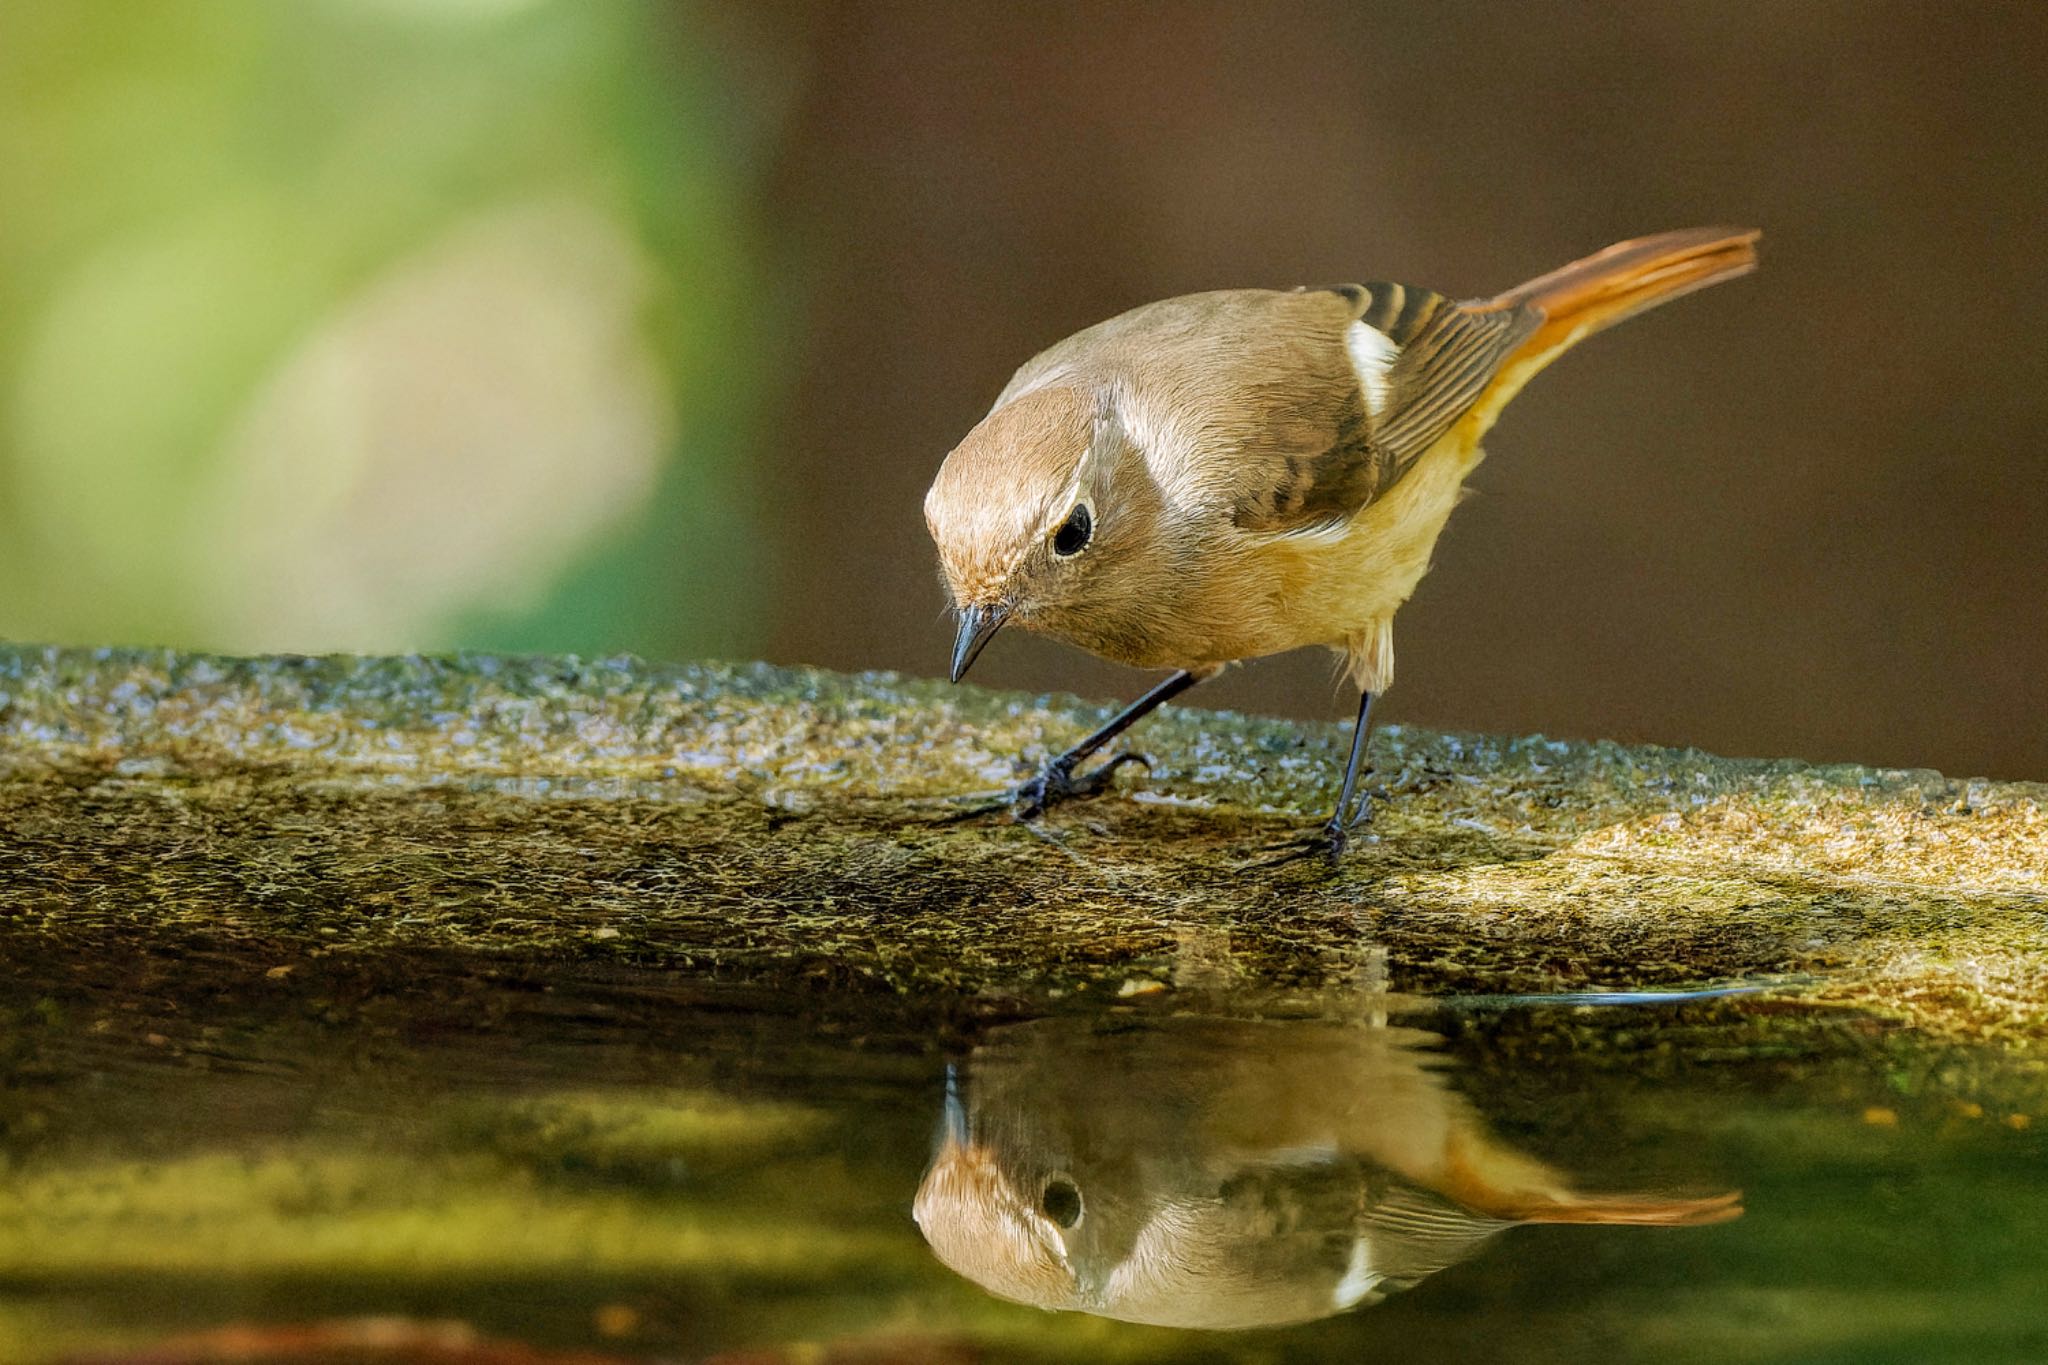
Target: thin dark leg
(1144, 706)
(1344, 819)
(1057, 781)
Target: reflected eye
(1061, 1202)
(1072, 537)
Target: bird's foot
(1334, 838)
(1058, 783)
(1338, 833)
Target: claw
(1293, 851)
(967, 814)
(1340, 824)
(1328, 843)
(1323, 846)
(1100, 778)
(1367, 808)
(1058, 783)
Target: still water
(213, 1158)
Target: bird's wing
(1417, 362)
(1288, 411)
(1412, 1234)
(1449, 353)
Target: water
(210, 1156)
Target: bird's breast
(1243, 595)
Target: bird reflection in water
(1218, 1173)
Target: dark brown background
(1799, 514)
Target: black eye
(1072, 537)
(1061, 1202)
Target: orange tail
(1637, 1211)
(1491, 1180)
(1627, 278)
(1580, 299)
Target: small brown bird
(1223, 476)
(1191, 1171)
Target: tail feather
(1587, 296)
(1638, 1211)
(1490, 1180)
(1627, 278)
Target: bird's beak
(978, 625)
(953, 1126)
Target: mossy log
(800, 827)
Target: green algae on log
(790, 825)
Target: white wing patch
(1360, 1279)
(1373, 354)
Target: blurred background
(604, 326)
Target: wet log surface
(829, 835)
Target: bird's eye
(1061, 1202)
(1072, 537)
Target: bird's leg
(1354, 804)
(1058, 783)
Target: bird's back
(1304, 449)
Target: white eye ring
(1060, 1202)
(1075, 531)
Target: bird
(1222, 476)
(1205, 1171)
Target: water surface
(209, 1156)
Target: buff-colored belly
(1269, 594)
(1342, 589)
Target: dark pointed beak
(978, 625)
(953, 1127)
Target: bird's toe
(1058, 783)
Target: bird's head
(982, 1221)
(1034, 512)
